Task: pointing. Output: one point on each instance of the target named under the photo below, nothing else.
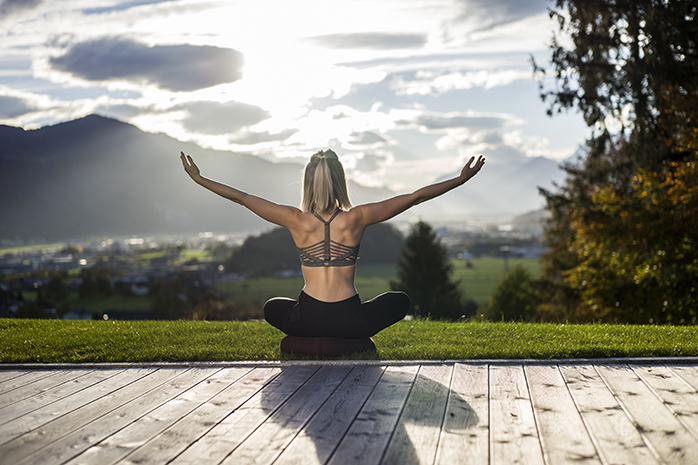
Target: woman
(327, 232)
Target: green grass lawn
(51, 341)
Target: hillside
(97, 176)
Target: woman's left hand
(470, 170)
(189, 166)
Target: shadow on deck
(602, 411)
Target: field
(478, 282)
(31, 248)
(478, 277)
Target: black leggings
(351, 319)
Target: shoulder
(296, 216)
(304, 221)
(355, 217)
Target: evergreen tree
(57, 291)
(514, 298)
(423, 272)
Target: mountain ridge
(97, 176)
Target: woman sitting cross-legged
(328, 318)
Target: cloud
(436, 83)
(12, 107)
(502, 148)
(220, 118)
(445, 121)
(370, 162)
(123, 6)
(121, 111)
(170, 67)
(366, 138)
(10, 7)
(487, 14)
(252, 138)
(370, 40)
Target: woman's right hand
(189, 166)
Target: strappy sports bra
(328, 252)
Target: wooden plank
(270, 439)
(562, 432)
(50, 396)
(465, 432)
(320, 437)
(659, 426)
(6, 375)
(616, 438)
(26, 379)
(416, 436)
(126, 440)
(168, 445)
(513, 432)
(37, 387)
(53, 428)
(689, 374)
(227, 435)
(368, 436)
(680, 398)
(77, 441)
(53, 412)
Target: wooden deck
(352, 413)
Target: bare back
(328, 283)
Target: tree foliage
(424, 273)
(515, 297)
(56, 290)
(638, 260)
(622, 239)
(96, 282)
(265, 254)
(625, 55)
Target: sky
(405, 91)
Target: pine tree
(423, 272)
(514, 298)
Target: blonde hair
(324, 184)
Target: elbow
(417, 199)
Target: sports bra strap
(327, 233)
(344, 255)
(327, 223)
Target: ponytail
(324, 184)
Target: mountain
(501, 191)
(96, 176)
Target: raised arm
(282, 215)
(381, 211)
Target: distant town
(46, 277)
